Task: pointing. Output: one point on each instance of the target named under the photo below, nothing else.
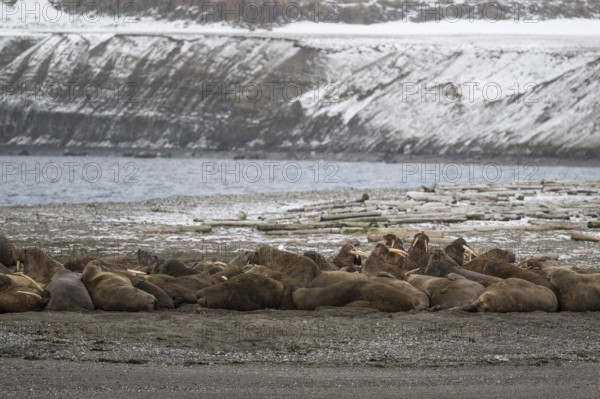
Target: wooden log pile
(547, 205)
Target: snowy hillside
(421, 88)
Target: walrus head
(146, 260)
(37, 264)
(456, 250)
(348, 257)
(439, 264)
(392, 241)
(420, 243)
(7, 251)
(245, 258)
(499, 253)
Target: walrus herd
(390, 279)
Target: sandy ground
(191, 352)
(331, 352)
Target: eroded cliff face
(265, 14)
(226, 92)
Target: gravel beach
(192, 351)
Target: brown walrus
(67, 292)
(299, 267)
(182, 289)
(418, 253)
(348, 258)
(217, 269)
(331, 277)
(420, 297)
(152, 264)
(114, 292)
(515, 295)
(392, 241)
(4, 269)
(78, 264)
(247, 291)
(7, 252)
(37, 264)
(452, 291)
(288, 282)
(382, 260)
(163, 300)
(502, 269)
(477, 264)
(320, 260)
(440, 265)
(173, 267)
(363, 294)
(576, 292)
(14, 298)
(22, 280)
(456, 250)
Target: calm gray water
(52, 179)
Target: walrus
(320, 260)
(182, 289)
(440, 265)
(163, 300)
(515, 295)
(173, 267)
(452, 291)
(113, 262)
(544, 267)
(4, 269)
(383, 259)
(418, 253)
(299, 267)
(14, 298)
(67, 292)
(7, 252)
(420, 297)
(22, 280)
(217, 269)
(363, 294)
(331, 277)
(247, 291)
(113, 292)
(288, 282)
(456, 250)
(503, 269)
(348, 257)
(147, 261)
(576, 292)
(477, 264)
(78, 264)
(392, 241)
(37, 264)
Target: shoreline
(182, 153)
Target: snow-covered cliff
(164, 85)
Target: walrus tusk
(19, 265)
(397, 251)
(135, 272)
(30, 293)
(32, 281)
(411, 271)
(360, 253)
(470, 249)
(220, 263)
